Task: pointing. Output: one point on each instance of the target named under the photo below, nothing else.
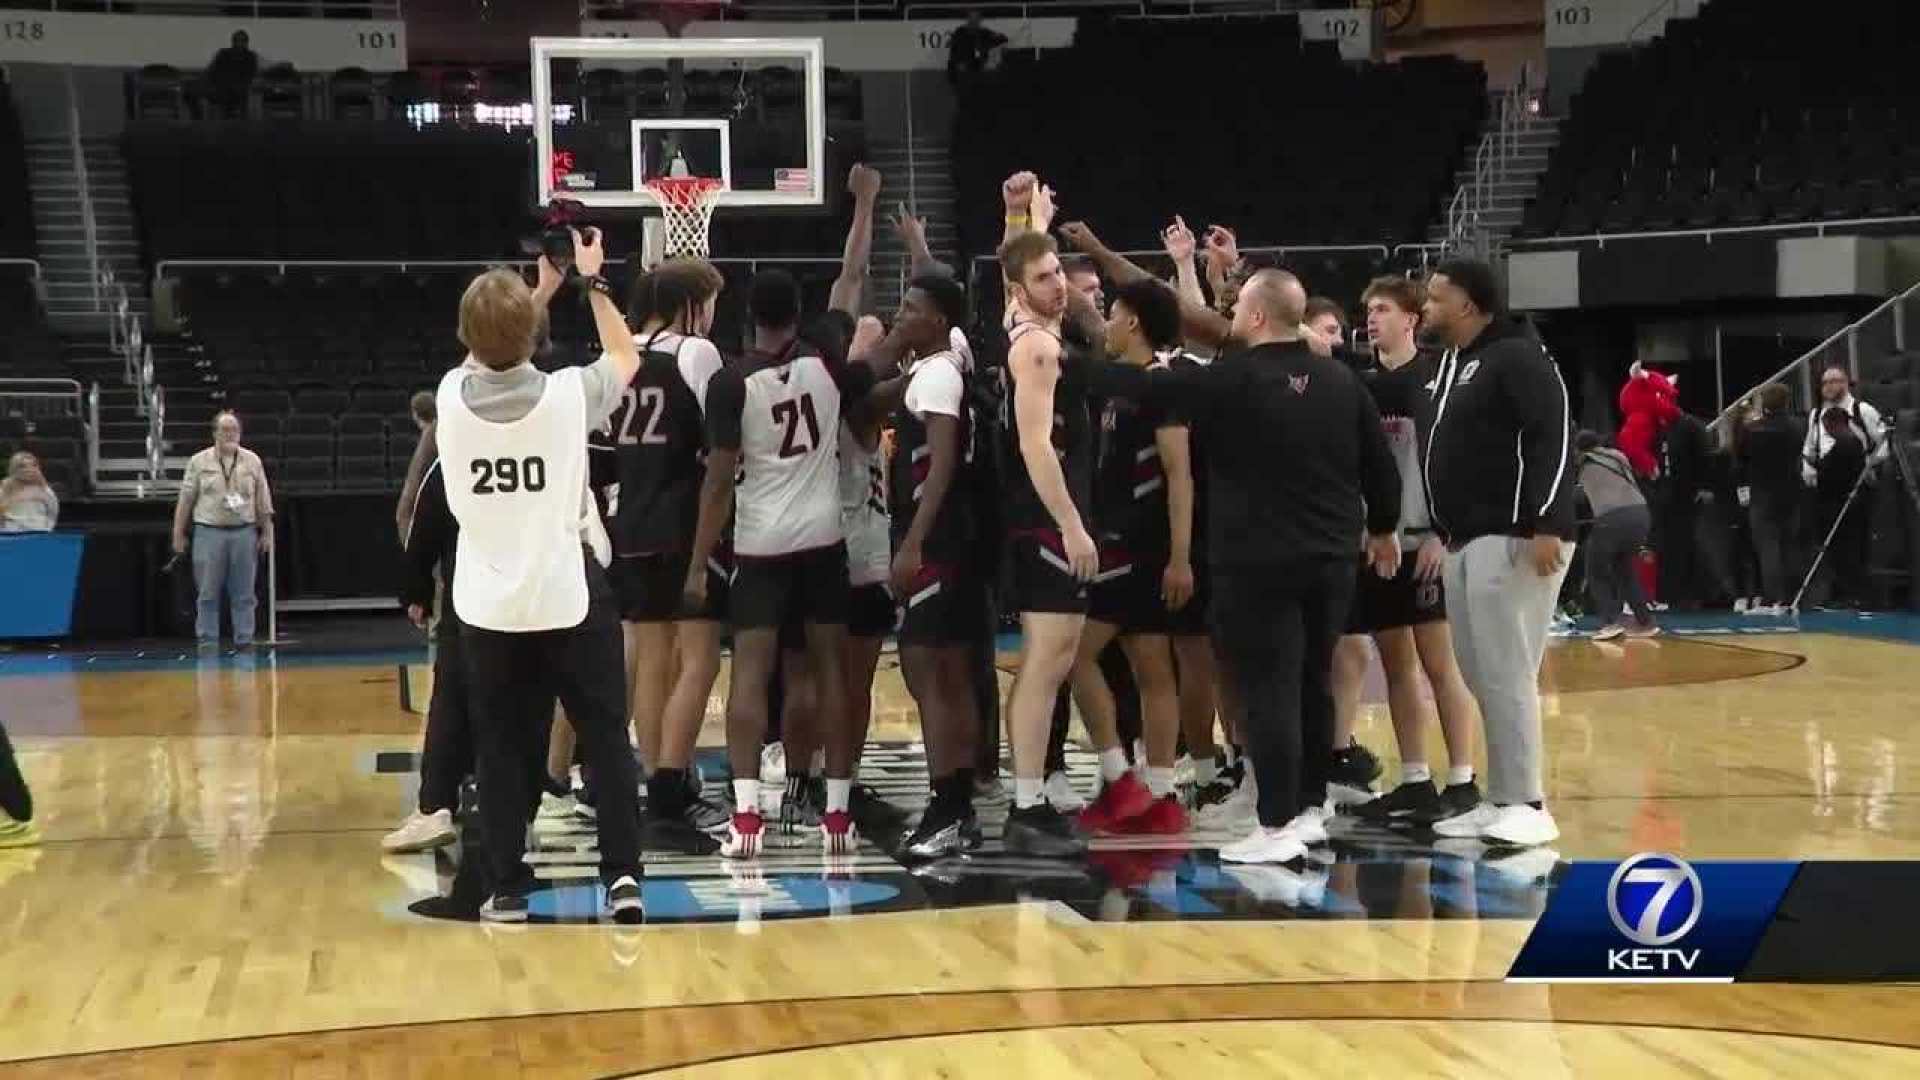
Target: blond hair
(499, 323)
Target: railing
(88, 228)
(1666, 9)
(1819, 228)
(1842, 348)
(958, 9)
(980, 263)
(1492, 164)
(38, 399)
(157, 437)
(164, 267)
(230, 9)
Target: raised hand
(911, 230)
(1042, 207)
(1223, 248)
(1017, 192)
(1079, 237)
(863, 181)
(589, 255)
(1178, 240)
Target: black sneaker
(623, 901)
(868, 806)
(1354, 765)
(1454, 799)
(1216, 791)
(1042, 832)
(799, 809)
(1410, 803)
(676, 834)
(504, 908)
(707, 815)
(940, 833)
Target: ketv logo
(1654, 901)
(1647, 919)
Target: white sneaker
(1525, 865)
(989, 791)
(1183, 771)
(1468, 824)
(420, 832)
(1741, 606)
(555, 806)
(1521, 826)
(1309, 826)
(1059, 791)
(1348, 795)
(1231, 814)
(1609, 632)
(1265, 845)
(773, 763)
(1278, 884)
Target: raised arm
(1198, 323)
(913, 236)
(1180, 247)
(1016, 192)
(616, 338)
(864, 184)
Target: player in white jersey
(529, 583)
(777, 415)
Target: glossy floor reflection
(212, 872)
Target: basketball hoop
(686, 206)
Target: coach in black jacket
(1297, 467)
(1499, 476)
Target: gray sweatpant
(1500, 610)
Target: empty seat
(325, 402)
(362, 424)
(309, 446)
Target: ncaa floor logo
(1654, 901)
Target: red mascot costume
(1648, 402)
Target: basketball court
(216, 822)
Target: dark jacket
(1686, 461)
(431, 537)
(1499, 456)
(1769, 456)
(1294, 446)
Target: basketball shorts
(1390, 603)
(942, 608)
(807, 586)
(1126, 593)
(1038, 577)
(647, 588)
(870, 611)
(1191, 620)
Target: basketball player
(16, 801)
(1145, 499)
(1497, 467)
(1350, 778)
(935, 576)
(776, 417)
(529, 583)
(657, 436)
(1052, 555)
(1407, 614)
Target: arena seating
(16, 224)
(1732, 119)
(28, 348)
(1315, 151)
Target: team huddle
(845, 480)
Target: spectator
(968, 48)
(1846, 438)
(1688, 554)
(27, 503)
(1620, 525)
(1766, 449)
(425, 409)
(224, 498)
(230, 75)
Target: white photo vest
(516, 490)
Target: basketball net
(686, 207)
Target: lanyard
(226, 470)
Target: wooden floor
(211, 902)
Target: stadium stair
(59, 207)
(1506, 197)
(919, 174)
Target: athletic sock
(1113, 764)
(746, 796)
(1459, 774)
(1204, 770)
(1026, 792)
(560, 788)
(1415, 772)
(839, 794)
(1159, 781)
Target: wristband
(596, 283)
(1018, 219)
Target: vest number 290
(506, 476)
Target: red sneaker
(1123, 798)
(837, 834)
(1166, 817)
(743, 836)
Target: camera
(554, 235)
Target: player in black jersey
(657, 437)
(1351, 774)
(1407, 614)
(935, 571)
(1144, 498)
(1051, 554)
